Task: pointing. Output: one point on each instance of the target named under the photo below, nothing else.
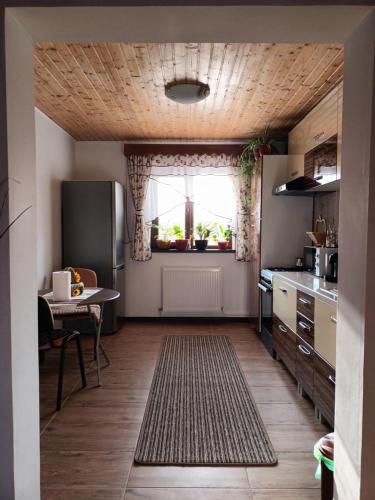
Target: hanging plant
(255, 148)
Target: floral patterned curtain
(194, 160)
(255, 211)
(247, 191)
(139, 170)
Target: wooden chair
(51, 338)
(88, 276)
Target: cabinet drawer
(305, 366)
(305, 305)
(305, 329)
(325, 330)
(284, 302)
(284, 343)
(324, 388)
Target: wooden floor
(87, 449)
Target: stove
(267, 274)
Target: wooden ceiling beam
(182, 149)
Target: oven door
(265, 315)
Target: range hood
(306, 186)
(320, 172)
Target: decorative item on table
(76, 285)
(61, 285)
(318, 237)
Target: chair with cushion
(73, 313)
(51, 338)
(88, 276)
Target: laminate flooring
(87, 448)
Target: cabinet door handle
(304, 301)
(304, 326)
(333, 319)
(332, 379)
(282, 329)
(284, 290)
(303, 349)
(294, 173)
(318, 136)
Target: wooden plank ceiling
(115, 91)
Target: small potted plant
(181, 242)
(163, 239)
(224, 237)
(263, 146)
(203, 232)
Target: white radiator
(192, 291)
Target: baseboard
(190, 319)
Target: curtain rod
(183, 149)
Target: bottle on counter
(331, 237)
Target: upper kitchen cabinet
(322, 123)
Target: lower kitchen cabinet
(284, 343)
(324, 389)
(305, 366)
(325, 330)
(313, 373)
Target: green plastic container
(322, 458)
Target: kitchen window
(187, 200)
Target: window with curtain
(189, 196)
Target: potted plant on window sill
(203, 232)
(224, 237)
(181, 243)
(163, 239)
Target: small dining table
(98, 298)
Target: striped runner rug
(200, 410)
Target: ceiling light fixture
(187, 92)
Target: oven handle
(263, 288)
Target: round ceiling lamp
(187, 93)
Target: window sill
(192, 250)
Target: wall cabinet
(323, 122)
(308, 351)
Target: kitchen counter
(306, 282)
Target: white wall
(54, 163)
(100, 161)
(142, 295)
(19, 388)
(355, 367)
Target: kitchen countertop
(306, 282)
